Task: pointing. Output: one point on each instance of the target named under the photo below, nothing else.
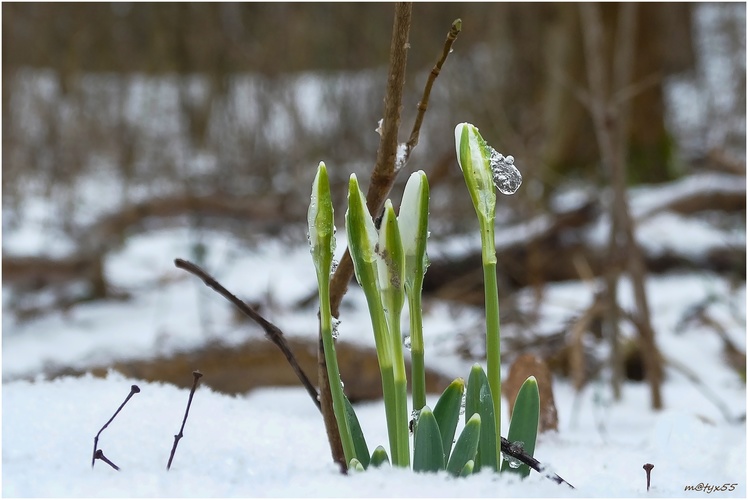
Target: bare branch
(273, 332)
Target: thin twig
(423, 104)
(515, 450)
(100, 455)
(273, 332)
(134, 389)
(196, 374)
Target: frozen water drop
(335, 328)
(406, 343)
(462, 405)
(506, 177)
(333, 266)
(413, 419)
(515, 447)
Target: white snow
(272, 442)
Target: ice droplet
(406, 343)
(413, 419)
(462, 404)
(506, 177)
(335, 325)
(516, 446)
(333, 267)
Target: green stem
(400, 385)
(417, 369)
(333, 372)
(383, 343)
(493, 333)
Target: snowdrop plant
(370, 267)
(413, 222)
(389, 264)
(473, 157)
(322, 245)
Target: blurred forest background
(217, 114)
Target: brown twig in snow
(273, 332)
(610, 117)
(196, 374)
(134, 389)
(100, 455)
(516, 451)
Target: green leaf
(359, 442)
(478, 400)
(447, 413)
(379, 457)
(355, 465)
(468, 469)
(428, 454)
(466, 446)
(524, 425)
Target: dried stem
(648, 470)
(610, 116)
(196, 374)
(100, 455)
(273, 332)
(516, 451)
(134, 389)
(454, 31)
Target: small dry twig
(273, 332)
(648, 470)
(516, 451)
(196, 374)
(97, 453)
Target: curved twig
(274, 333)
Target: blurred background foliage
(239, 102)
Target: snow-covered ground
(272, 442)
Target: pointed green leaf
(447, 413)
(478, 400)
(428, 454)
(524, 425)
(359, 442)
(466, 446)
(355, 465)
(468, 469)
(379, 457)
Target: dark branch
(516, 451)
(196, 374)
(134, 389)
(423, 104)
(100, 455)
(273, 332)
